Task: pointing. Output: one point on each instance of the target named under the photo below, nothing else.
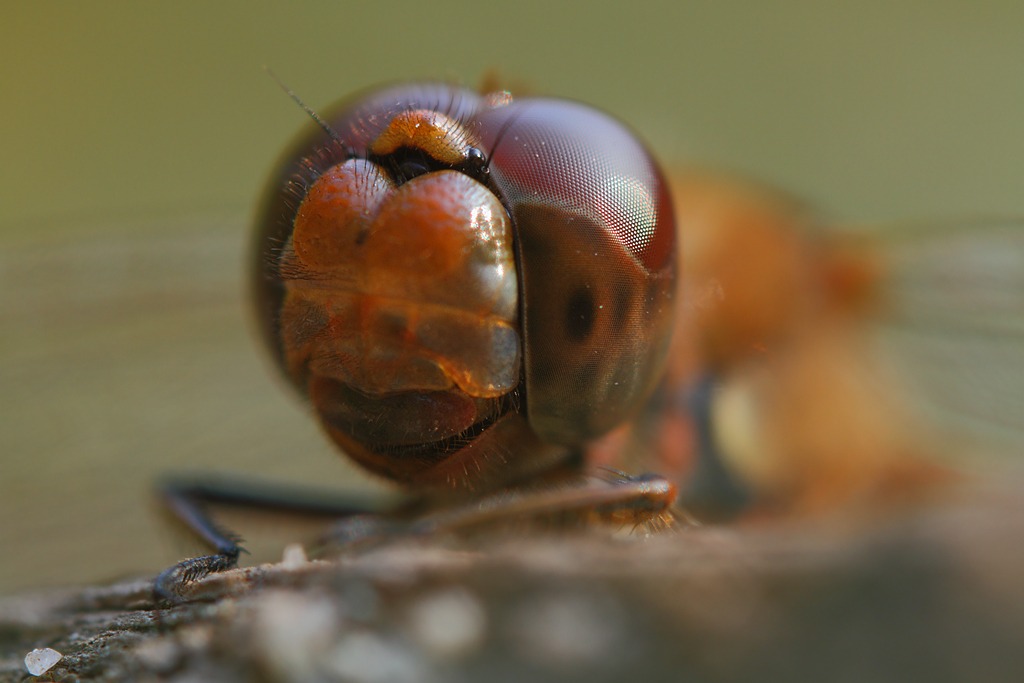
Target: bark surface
(936, 594)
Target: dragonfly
(499, 303)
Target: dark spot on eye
(579, 315)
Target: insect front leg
(597, 497)
(188, 500)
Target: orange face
(467, 289)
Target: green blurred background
(135, 138)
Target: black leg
(187, 499)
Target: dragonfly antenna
(313, 114)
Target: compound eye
(597, 263)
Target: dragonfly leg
(619, 499)
(187, 499)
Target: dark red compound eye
(597, 262)
(566, 154)
(515, 259)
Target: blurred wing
(955, 322)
